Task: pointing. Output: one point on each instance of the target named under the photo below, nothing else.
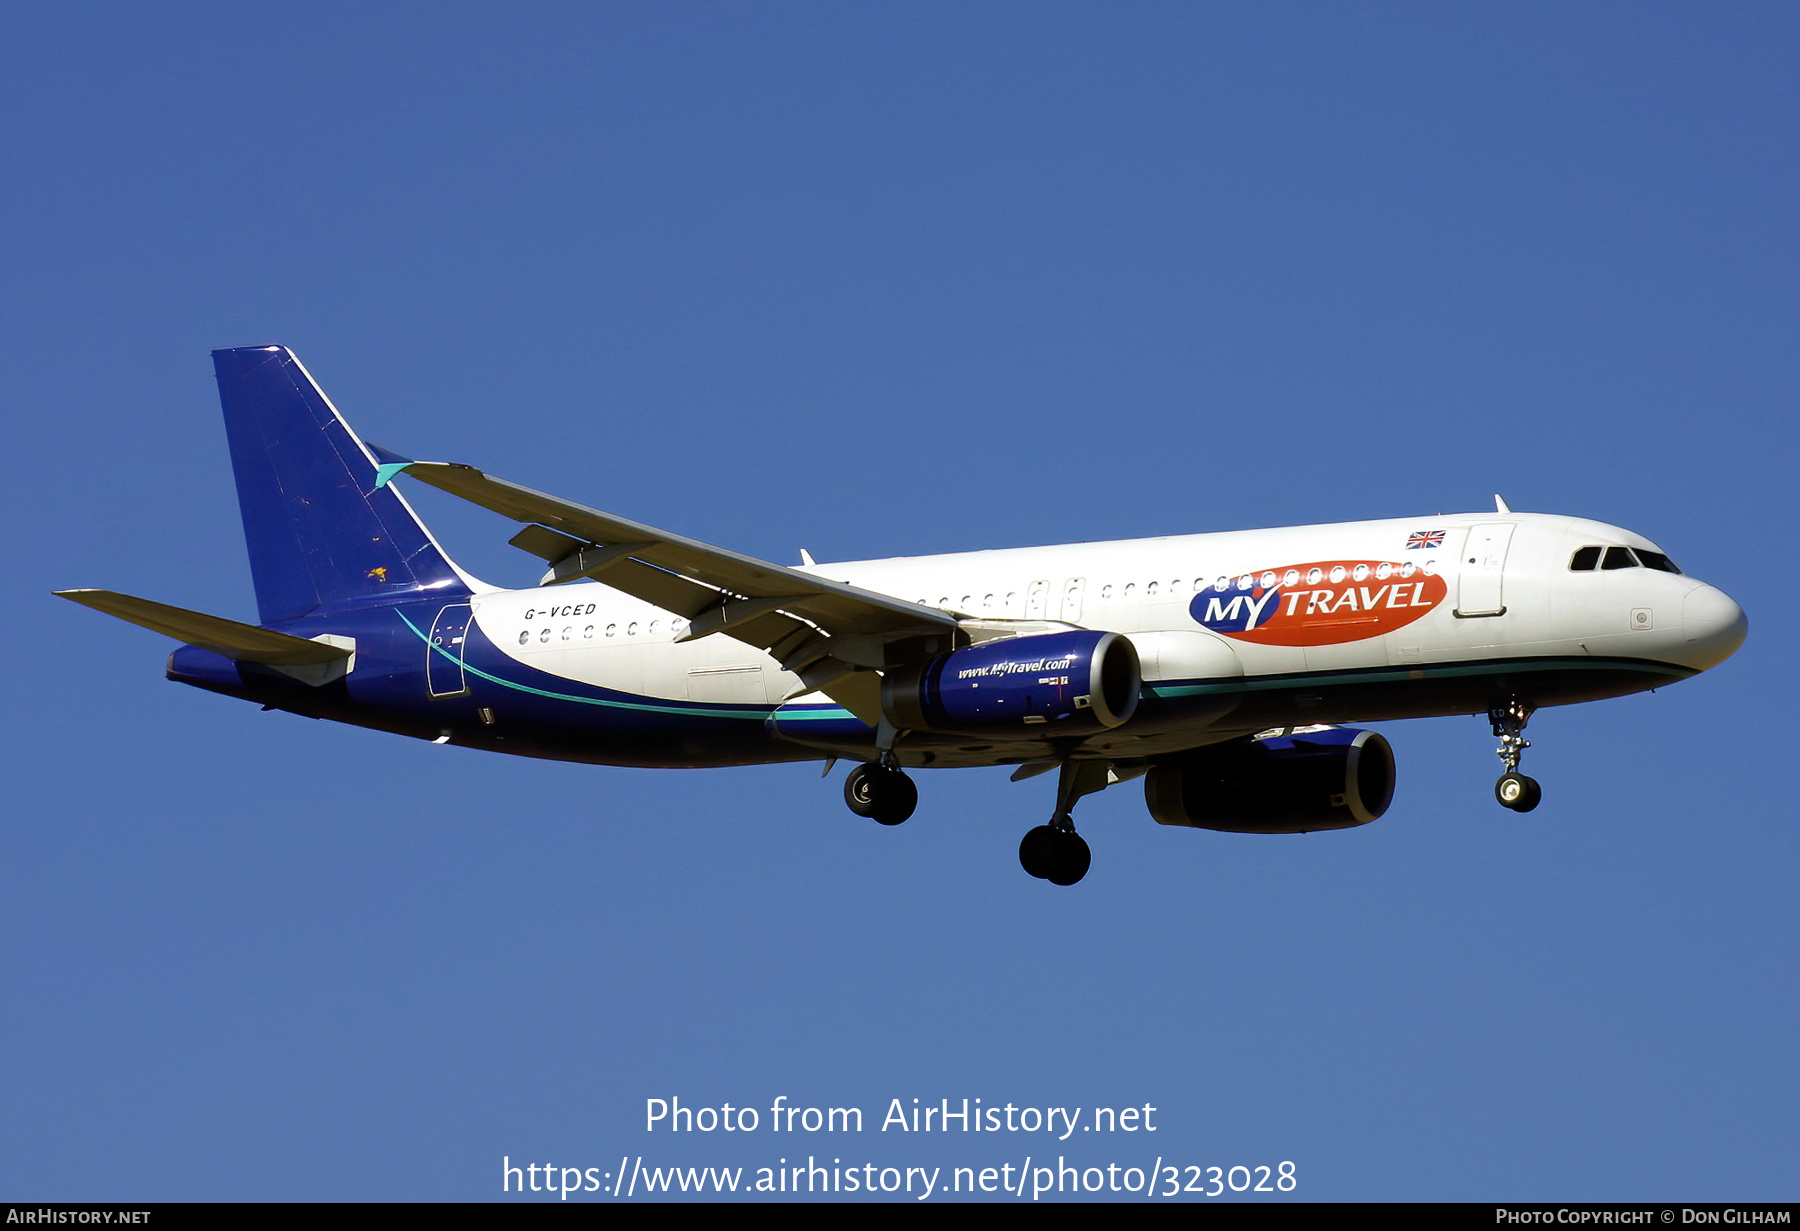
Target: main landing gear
(1055, 852)
(882, 792)
(1514, 790)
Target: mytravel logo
(1319, 604)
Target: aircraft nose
(1715, 625)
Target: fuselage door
(444, 656)
(1483, 568)
(1071, 599)
(1035, 595)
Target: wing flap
(834, 606)
(836, 637)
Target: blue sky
(881, 280)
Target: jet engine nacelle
(1328, 779)
(1068, 683)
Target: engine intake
(1329, 779)
(1068, 683)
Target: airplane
(1220, 668)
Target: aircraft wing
(833, 635)
(227, 638)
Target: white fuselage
(1526, 603)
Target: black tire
(895, 797)
(1073, 859)
(1534, 795)
(1516, 791)
(886, 796)
(1037, 852)
(859, 791)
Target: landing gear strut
(1055, 852)
(1514, 790)
(881, 792)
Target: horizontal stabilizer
(227, 638)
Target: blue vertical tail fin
(321, 533)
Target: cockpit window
(1619, 557)
(1656, 560)
(1585, 559)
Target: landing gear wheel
(884, 795)
(1060, 856)
(1516, 791)
(1037, 851)
(1072, 860)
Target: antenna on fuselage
(1500, 504)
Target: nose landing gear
(1514, 790)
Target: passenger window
(1585, 560)
(1657, 561)
(1619, 557)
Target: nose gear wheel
(1518, 792)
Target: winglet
(388, 464)
(1500, 505)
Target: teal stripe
(1380, 675)
(829, 712)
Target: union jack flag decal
(1424, 538)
